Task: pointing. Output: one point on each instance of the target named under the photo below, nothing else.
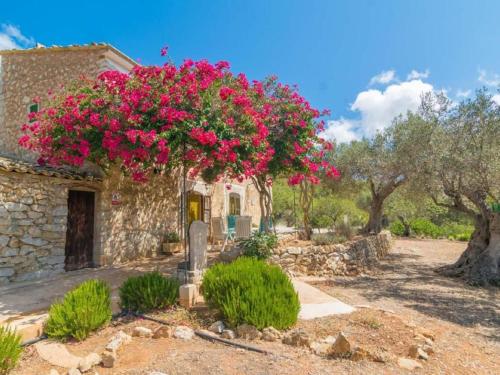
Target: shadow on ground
(407, 279)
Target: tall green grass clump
(251, 291)
(82, 310)
(148, 292)
(10, 350)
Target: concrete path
(316, 304)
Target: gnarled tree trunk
(479, 264)
(374, 224)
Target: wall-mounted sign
(116, 198)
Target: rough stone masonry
(349, 258)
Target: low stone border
(350, 258)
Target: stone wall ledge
(350, 258)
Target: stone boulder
(270, 334)
(248, 332)
(142, 332)
(217, 327)
(183, 333)
(297, 337)
(163, 332)
(91, 360)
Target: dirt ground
(464, 320)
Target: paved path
(315, 304)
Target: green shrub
(426, 228)
(82, 310)
(10, 350)
(397, 228)
(259, 245)
(148, 292)
(251, 291)
(327, 239)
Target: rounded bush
(10, 349)
(82, 310)
(259, 245)
(253, 292)
(148, 292)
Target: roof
(13, 165)
(81, 47)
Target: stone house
(54, 220)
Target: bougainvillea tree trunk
(306, 199)
(479, 264)
(265, 200)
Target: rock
(271, 334)
(320, 348)
(57, 354)
(297, 337)
(53, 372)
(117, 341)
(74, 371)
(217, 327)
(156, 373)
(408, 364)
(428, 334)
(86, 363)
(183, 332)
(428, 349)
(341, 347)
(163, 332)
(417, 352)
(108, 358)
(360, 354)
(248, 332)
(142, 332)
(228, 334)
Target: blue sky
(353, 57)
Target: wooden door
(80, 230)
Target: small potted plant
(172, 243)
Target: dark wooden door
(80, 231)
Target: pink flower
(164, 51)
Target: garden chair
(231, 225)
(243, 228)
(219, 234)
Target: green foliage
(172, 237)
(259, 245)
(426, 228)
(253, 292)
(82, 310)
(10, 349)
(148, 292)
(328, 239)
(397, 228)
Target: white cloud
(342, 131)
(488, 79)
(384, 77)
(496, 98)
(12, 38)
(414, 74)
(463, 93)
(377, 109)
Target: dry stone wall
(33, 216)
(350, 258)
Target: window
(33, 108)
(234, 204)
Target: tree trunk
(305, 202)
(479, 264)
(374, 225)
(265, 200)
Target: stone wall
(33, 215)
(137, 224)
(349, 258)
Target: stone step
(28, 326)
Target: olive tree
(385, 162)
(461, 171)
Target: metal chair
(218, 231)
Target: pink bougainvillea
(156, 118)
